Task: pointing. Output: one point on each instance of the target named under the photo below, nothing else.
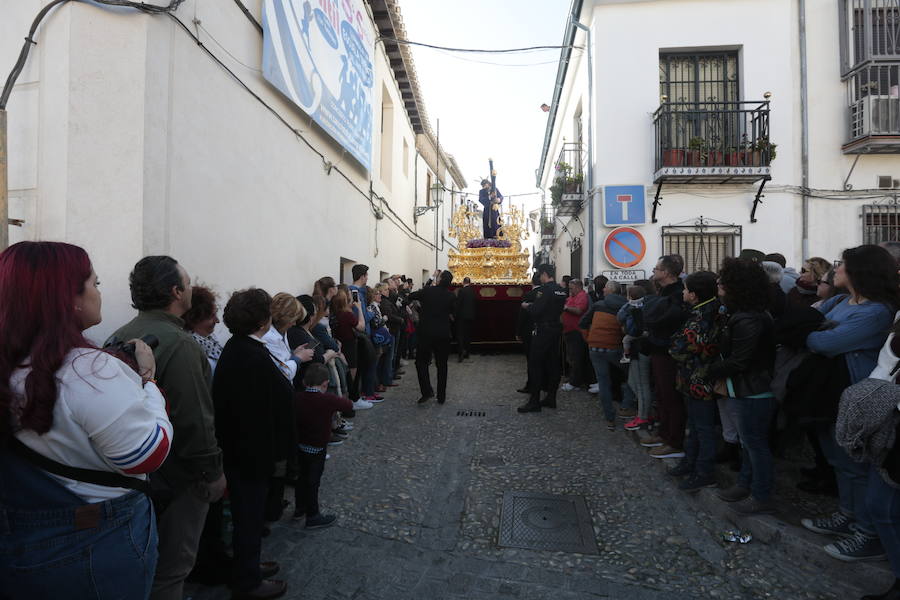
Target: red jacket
(313, 412)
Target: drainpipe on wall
(590, 156)
(804, 131)
(4, 191)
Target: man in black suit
(465, 317)
(438, 307)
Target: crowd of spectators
(133, 447)
(734, 366)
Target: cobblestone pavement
(418, 493)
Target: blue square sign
(624, 205)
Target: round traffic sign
(624, 247)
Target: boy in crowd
(314, 408)
(634, 323)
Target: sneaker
(567, 387)
(341, 433)
(335, 440)
(666, 452)
(319, 521)
(752, 506)
(627, 413)
(625, 360)
(362, 404)
(836, 524)
(652, 442)
(594, 388)
(681, 469)
(735, 493)
(611, 425)
(636, 423)
(696, 482)
(346, 425)
(376, 399)
(856, 548)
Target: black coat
(548, 305)
(438, 305)
(524, 322)
(748, 353)
(254, 414)
(465, 303)
(664, 314)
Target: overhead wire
(472, 50)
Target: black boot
(549, 401)
(892, 594)
(728, 452)
(533, 405)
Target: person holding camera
(79, 431)
(161, 292)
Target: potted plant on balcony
(697, 151)
(736, 156)
(762, 152)
(673, 157)
(547, 226)
(573, 183)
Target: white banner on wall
(318, 53)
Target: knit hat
(773, 270)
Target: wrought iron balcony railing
(874, 103)
(567, 188)
(712, 142)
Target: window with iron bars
(881, 223)
(703, 246)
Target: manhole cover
(545, 522)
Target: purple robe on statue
(489, 216)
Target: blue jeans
(386, 364)
(883, 504)
(53, 545)
(639, 383)
(757, 466)
(700, 443)
(602, 359)
(852, 479)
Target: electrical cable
(397, 220)
(474, 50)
(249, 15)
(29, 40)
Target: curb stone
(794, 542)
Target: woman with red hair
(79, 431)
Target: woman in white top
(286, 311)
(89, 534)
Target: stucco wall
(128, 139)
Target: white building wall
(628, 38)
(126, 138)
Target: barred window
(881, 223)
(703, 246)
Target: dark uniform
(525, 329)
(543, 361)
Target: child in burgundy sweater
(314, 408)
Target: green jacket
(184, 376)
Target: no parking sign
(624, 247)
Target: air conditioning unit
(875, 115)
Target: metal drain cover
(545, 522)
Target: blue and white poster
(624, 205)
(318, 53)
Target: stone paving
(418, 492)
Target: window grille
(881, 223)
(702, 245)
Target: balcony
(567, 190)
(548, 225)
(874, 98)
(712, 142)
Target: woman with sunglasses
(861, 321)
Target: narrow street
(419, 490)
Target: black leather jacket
(748, 353)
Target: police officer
(543, 362)
(525, 328)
